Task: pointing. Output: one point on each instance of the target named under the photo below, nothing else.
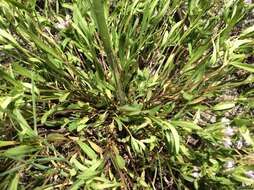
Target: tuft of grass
(151, 94)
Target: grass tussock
(152, 94)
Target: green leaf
(95, 147)
(171, 135)
(77, 184)
(8, 36)
(174, 32)
(105, 185)
(246, 67)
(98, 10)
(135, 145)
(244, 131)
(119, 161)
(87, 150)
(176, 139)
(26, 129)
(6, 100)
(88, 174)
(27, 73)
(247, 31)
(64, 97)
(77, 164)
(7, 143)
(45, 47)
(10, 79)
(48, 113)
(215, 52)
(224, 106)
(18, 5)
(81, 124)
(56, 137)
(20, 151)
(133, 109)
(186, 125)
(172, 141)
(14, 183)
(241, 178)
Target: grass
(151, 94)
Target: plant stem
(34, 104)
(98, 9)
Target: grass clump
(126, 94)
